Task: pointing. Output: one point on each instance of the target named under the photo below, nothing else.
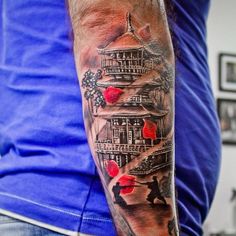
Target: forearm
(125, 65)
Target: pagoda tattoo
(130, 99)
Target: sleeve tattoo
(125, 65)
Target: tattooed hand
(125, 64)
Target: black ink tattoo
(129, 103)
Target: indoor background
(222, 39)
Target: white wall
(222, 38)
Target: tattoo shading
(130, 100)
(129, 110)
(172, 229)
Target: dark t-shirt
(46, 170)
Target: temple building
(128, 68)
(127, 56)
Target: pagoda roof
(127, 41)
(110, 81)
(129, 112)
(149, 78)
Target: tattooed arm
(125, 65)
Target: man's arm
(125, 65)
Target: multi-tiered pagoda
(128, 65)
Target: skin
(131, 141)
